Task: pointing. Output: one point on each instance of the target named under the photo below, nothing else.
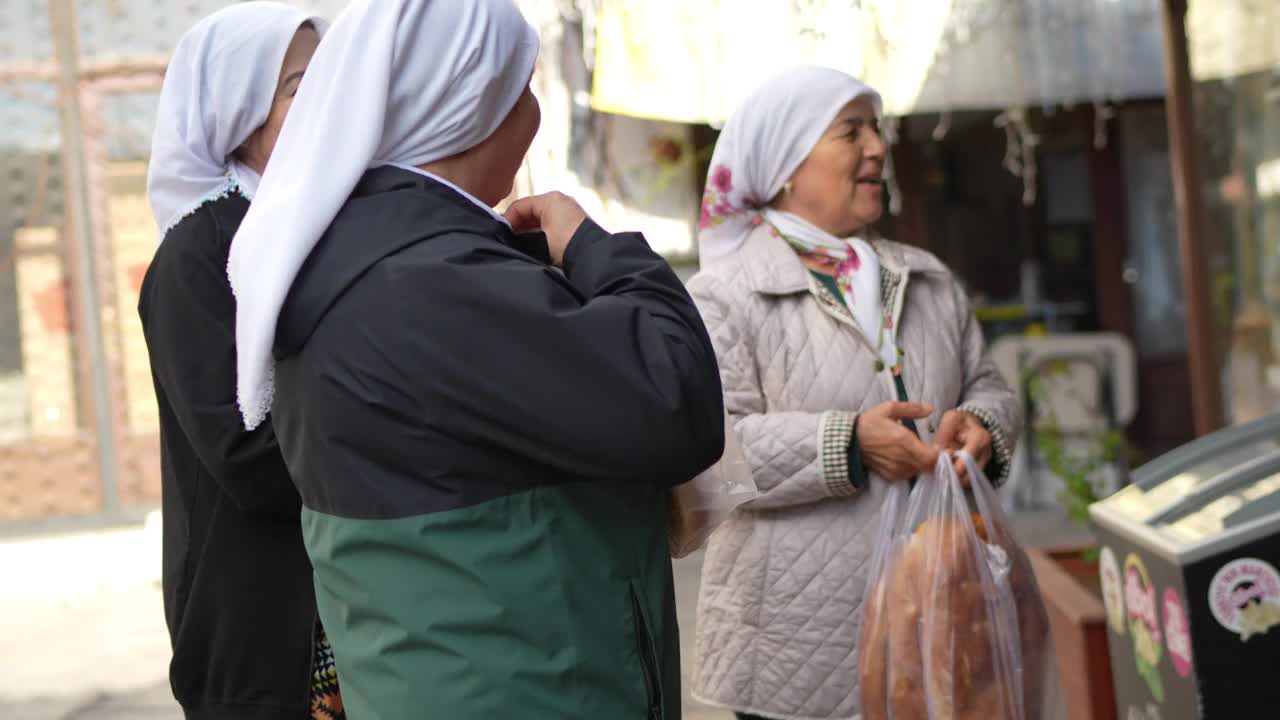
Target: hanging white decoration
(943, 127)
(889, 131)
(1102, 114)
(1020, 150)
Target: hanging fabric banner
(692, 60)
(1230, 38)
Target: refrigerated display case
(1188, 558)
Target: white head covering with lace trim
(218, 88)
(404, 82)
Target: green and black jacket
(484, 446)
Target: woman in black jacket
(238, 594)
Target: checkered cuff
(1001, 454)
(835, 434)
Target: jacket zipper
(644, 646)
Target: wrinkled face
(839, 185)
(503, 152)
(257, 149)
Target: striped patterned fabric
(326, 699)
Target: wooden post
(1110, 233)
(1206, 401)
(62, 20)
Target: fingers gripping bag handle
(700, 505)
(961, 599)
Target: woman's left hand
(960, 430)
(555, 214)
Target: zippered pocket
(648, 657)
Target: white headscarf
(403, 82)
(760, 148)
(218, 89)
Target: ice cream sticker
(1245, 597)
(1112, 589)
(1177, 632)
(1140, 605)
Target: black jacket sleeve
(188, 318)
(603, 372)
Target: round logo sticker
(1177, 632)
(1245, 597)
(1112, 594)
(1140, 606)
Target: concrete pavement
(82, 634)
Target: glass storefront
(1234, 48)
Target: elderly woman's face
(257, 149)
(839, 185)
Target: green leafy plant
(1075, 465)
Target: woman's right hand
(557, 215)
(888, 448)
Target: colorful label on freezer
(1144, 626)
(1245, 597)
(1112, 589)
(1177, 632)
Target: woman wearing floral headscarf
(848, 363)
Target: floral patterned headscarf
(761, 146)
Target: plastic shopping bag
(954, 627)
(700, 505)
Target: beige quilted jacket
(783, 579)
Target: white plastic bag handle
(699, 506)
